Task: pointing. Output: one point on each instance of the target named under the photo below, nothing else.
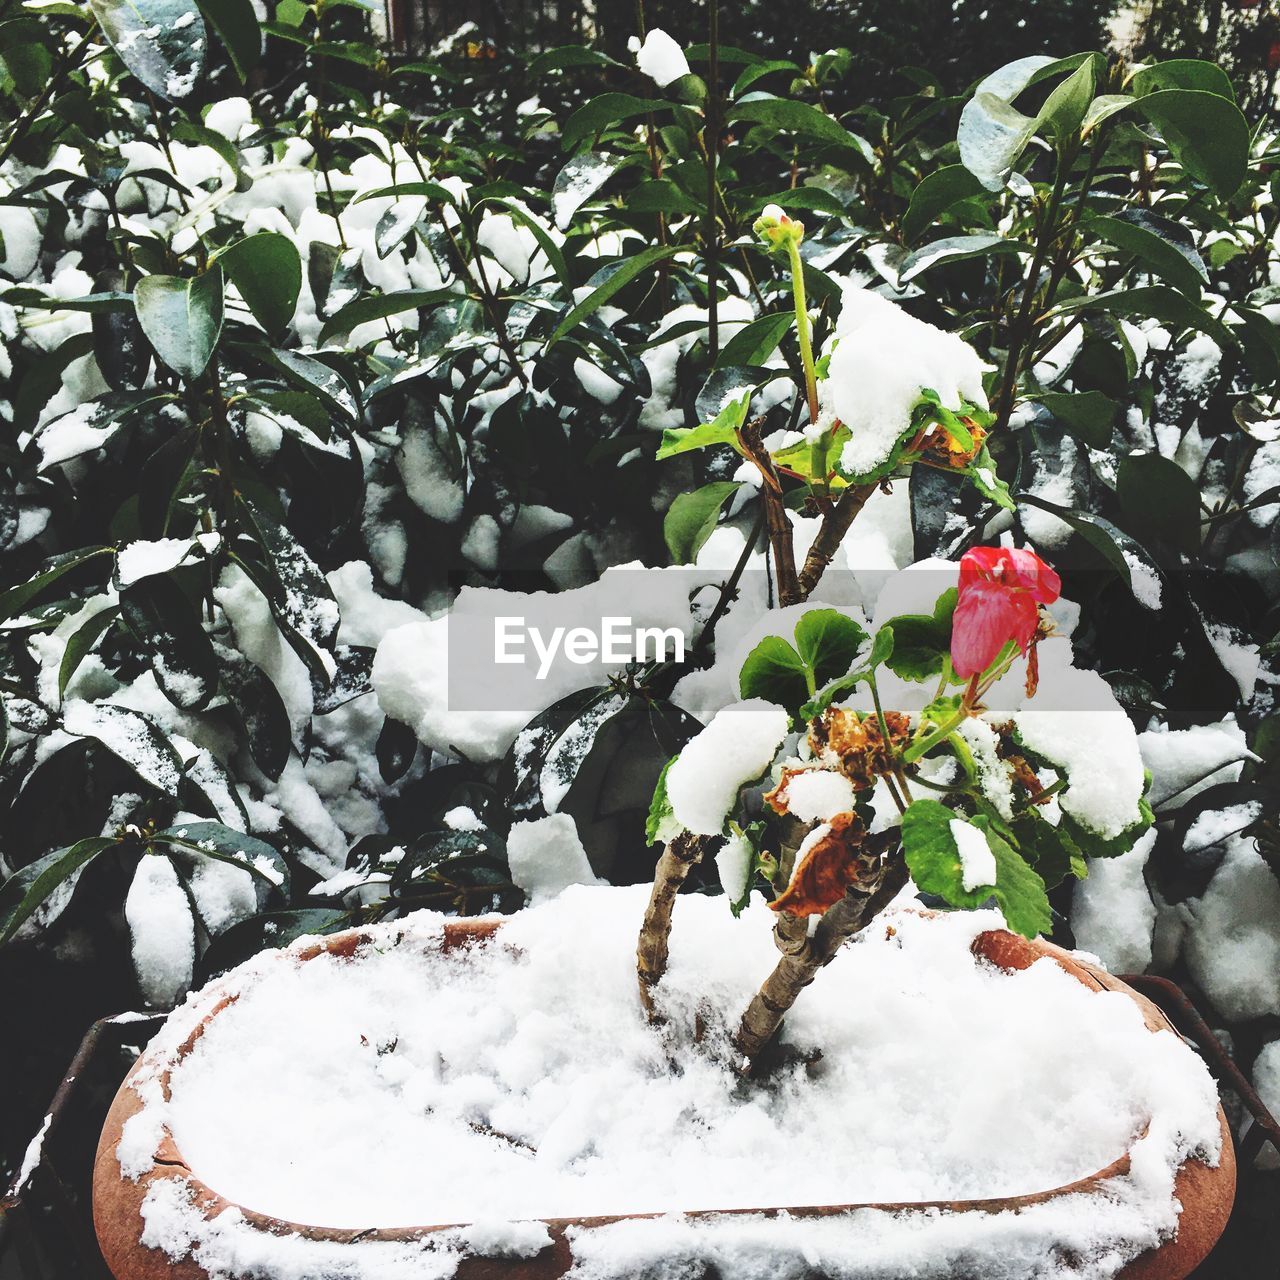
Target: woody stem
(678, 859)
(878, 882)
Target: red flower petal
(986, 618)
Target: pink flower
(1000, 596)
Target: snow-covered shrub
(286, 370)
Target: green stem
(802, 328)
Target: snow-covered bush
(287, 371)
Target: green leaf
(922, 642)
(661, 824)
(301, 600)
(1166, 247)
(724, 430)
(1064, 109)
(23, 893)
(1115, 546)
(992, 134)
(15, 599)
(379, 307)
(754, 343)
(131, 737)
(881, 649)
(1160, 499)
(788, 115)
(237, 26)
(1207, 134)
(1088, 415)
(955, 249)
(269, 931)
(660, 195)
(267, 270)
(161, 41)
(548, 246)
(937, 192)
(1053, 853)
(167, 624)
(1156, 302)
(1094, 845)
(580, 178)
(608, 109)
(81, 642)
(182, 319)
(692, 518)
(828, 643)
(608, 281)
(1020, 892)
(1184, 73)
(933, 856)
(225, 844)
(774, 671)
(982, 475)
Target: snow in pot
(518, 1081)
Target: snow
(1266, 1080)
(161, 931)
(660, 58)
(734, 749)
(1184, 762)
(546, 856)
(977, 862)
(143, 559)
(31, 1158)
(1075, 722)
(526, 1067)
(817, 795)
(1232, 945)
(461, 818)
(733, 866)
(1240, 659)
(883, 359)
(230, 117)
(1112, 914)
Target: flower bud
(775, 228)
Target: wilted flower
(1001, 591)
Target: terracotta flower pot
(1205, 1193)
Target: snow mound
(524, 1069)
(884, 359)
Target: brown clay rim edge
(1003, 949)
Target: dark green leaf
(937, 192)
(15, 599)
(161, 41)
(23, 893)
(754, 343)
(790, 116)
(237, 26)
(182, 319)
(81, 642)
(692, 517)
(1160, 499)
(1088, 415)
(1166, 247)
(1208, 135)
(167, 624)
(607, 282)
(379, 307)
(267, 270)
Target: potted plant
(991, 805)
